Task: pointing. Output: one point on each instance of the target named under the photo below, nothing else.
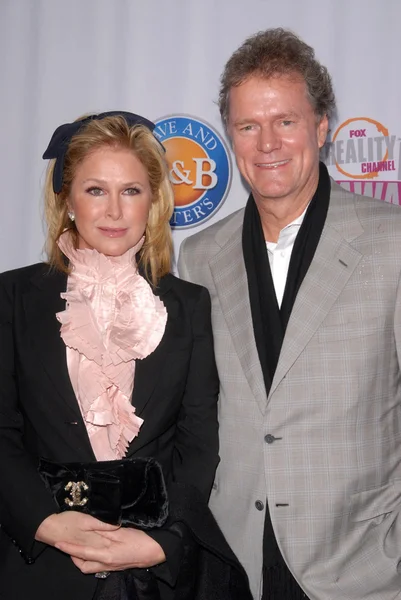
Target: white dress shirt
(280, 255)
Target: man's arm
(182, 265)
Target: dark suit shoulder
(24, 274)
(39, 275)
(183, 288)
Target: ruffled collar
(112, 318)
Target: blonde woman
(105, 358)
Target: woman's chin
(112, 249)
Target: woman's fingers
(94, 524)
(97, 554)
(88, 567)
(70, 526)
(123, 549)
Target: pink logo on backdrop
(364, 157)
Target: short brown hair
(156, 253)
(273, 53)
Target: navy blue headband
(61, 138)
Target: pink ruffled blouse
(112, 318)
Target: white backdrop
(60, 59)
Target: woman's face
(110, 198)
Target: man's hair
(114, 132)
(274, 53)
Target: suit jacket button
(259, 505)
(269, 438)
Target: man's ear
(322, 131)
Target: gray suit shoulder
(366, 204)
(371, 211)
(211, 235)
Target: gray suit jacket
(325, 447)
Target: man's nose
(268, 140)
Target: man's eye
(286, 123)
(246, 128)
(95, 191)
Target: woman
(104, 355)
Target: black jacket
(175, 392)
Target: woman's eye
(132, 191)
(95, 191)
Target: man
(307, 323)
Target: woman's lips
(113, 232)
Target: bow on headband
(61, 138)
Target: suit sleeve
(196, 446)
(392, 537)
(182, 266)
(24, 500)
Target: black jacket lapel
(41, 303)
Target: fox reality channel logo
(200, 168)
(364, 157)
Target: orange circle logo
(199, 166)
(363, 147)
(181, 153)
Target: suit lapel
(334, 262)
(228, 271)
(41, 304)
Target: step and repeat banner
(163, 60)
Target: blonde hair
(156, 254)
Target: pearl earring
(71, 216)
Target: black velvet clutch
(129, 492)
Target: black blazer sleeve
(24, 500)
(196, 440)
(195, 456)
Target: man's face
(276, 137)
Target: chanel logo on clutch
(76, 489)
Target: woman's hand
(73, 527)
(125, 548)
